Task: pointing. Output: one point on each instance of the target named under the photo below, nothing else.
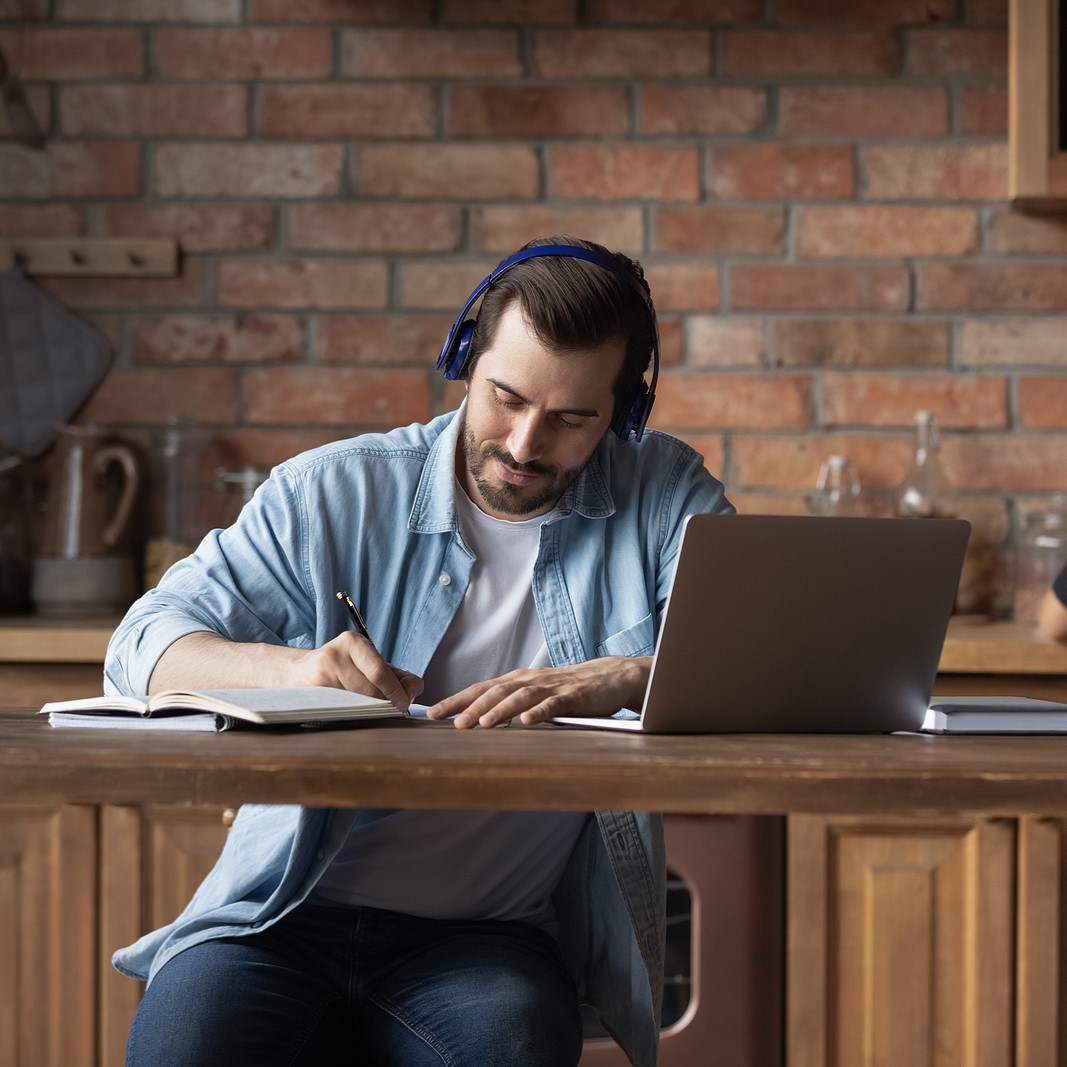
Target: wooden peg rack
(146, 257)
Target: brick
(506, 227)
(718, 341)
(991, 287)
(138, 110)
(1005, 462)
(1042, 402)
(944, 172)
(967, 401)
(823, 53)
(942, 51)
(727, 401)
(39, 101)
(984, 111)
(710, 445)
(863, 110)
(1011, 342)
(40, 220)
(206, 394)
(205, 227)
(671, 340)
(537, 111)
(185, 290)
(1011, 233)
(369, 339)
(701, 109)
(784, 503)
(886, 231)
(332, 110)
(248, 170)
(886, 12)
(668, 11)
(793, 460)
(755, 231)
(450, 171)
(527, 12)
(343, 396)
(251, 52)
(374, 227)
(150, 11)
(987, 12)
(267, 447)
(643, 53)
(440, 284)
(788, 288)
(71, 169)
(783, 171)
(342, 11)
(638, 171)
(219, 339)
(683, 286)
(67, 53)
(303, 283)
(860, 343)
(431, 53)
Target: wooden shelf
(1000, 648)
(32, 639)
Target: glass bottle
(922, 493)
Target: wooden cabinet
(75, 883)
(1037, 101)
(47, 936)
(937, 941)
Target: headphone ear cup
(633, 419)
(453, 359)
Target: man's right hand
(349, 661)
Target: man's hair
(572, 304)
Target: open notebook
(785, 624)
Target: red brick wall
(817, 190)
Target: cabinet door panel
(900, 942)
(153, 860)
(47, 942)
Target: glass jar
(836, 488)
(1040, 555)
(239, 486)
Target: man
(512, 559)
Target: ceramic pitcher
(92, 484)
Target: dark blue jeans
(362, 987)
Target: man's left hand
(596, 687)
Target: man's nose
(525, 441)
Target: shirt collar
(434, 510)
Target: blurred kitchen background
(818, 190)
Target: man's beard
(508, 499)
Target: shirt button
(445, 579)
(320, 855)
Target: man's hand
(349, 661)
(596, 687)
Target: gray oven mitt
(50, 362)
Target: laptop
(797, 624)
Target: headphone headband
(456, 351)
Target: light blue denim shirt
(376, 515)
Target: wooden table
(424, 765)
(957, 842)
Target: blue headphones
(453, 358)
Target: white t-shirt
(467, 864)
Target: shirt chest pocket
(636, 640)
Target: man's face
(533, 419)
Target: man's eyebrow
(585, 413)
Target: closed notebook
(219, 709)
(994, 715)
